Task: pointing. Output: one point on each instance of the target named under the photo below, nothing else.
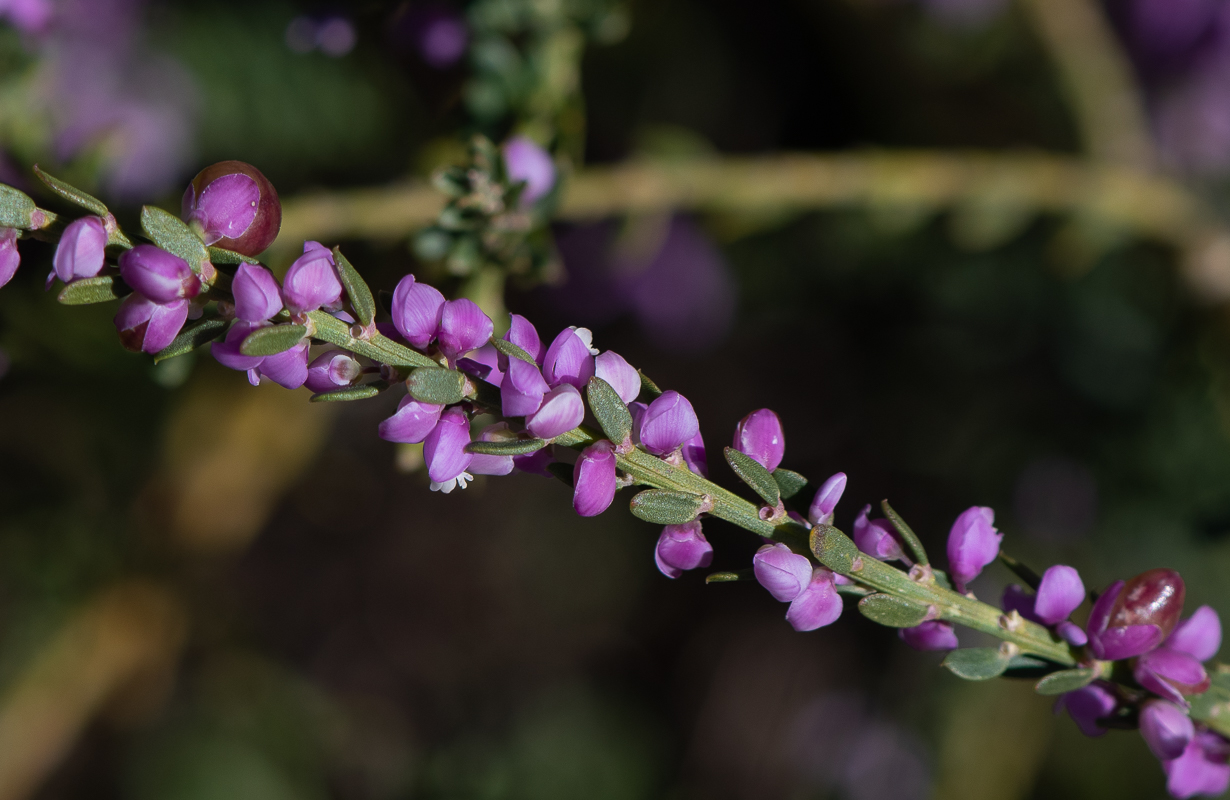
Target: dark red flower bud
(1151, 598)
(234, 206)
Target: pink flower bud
(333, 370)
(1059, 594)
(157, 274)
(817, 605)
(1134, 617)
(235, 206)
(593, 479)
(10, 258)
(1166, 728)
(877, 537)
(82, 249)
(783, 572)
(759, 436)
(463, 327)
(412, 421)
(682, 547)
(416, 311)
(668, 423)
(1199, 635)
(930, 635)
(527, 161)
(1170, 674)
(522, 389)
(444, 448)
(146, 326)
(311, 282)
(973, 543)
(622, 376)
(826, 499)
(257, 294)
(562, 410)
(568, 359)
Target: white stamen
(454, 483)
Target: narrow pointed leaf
(508, 447)
(191, 338)
(730, 577)
(754, 475)
(648, 387)
(220, 255)
(16, 208)
(357, 290)
(72, 194)
(976, 663)
(99, 289)
(907, 534)
(895, 612)
(833, 548)
(612, 415)
(171, 234)
(361, 392)
(788, 483)
(666, 508)
(379, 348)
(511, 350)
(1065, 680)
(436, 385)
(272, 340)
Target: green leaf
(72, 194)
(853, 591)
(1023, 572)
(273, 339)
(511, 350)
(907, 534)
(361, 392)
(171, 234)
(833, 548)
(507, 447)
(220, 255)
(360, 295)
(191, 338)
(378, 348)
(754, 475)
(612, 415)
(648, 387)
(976, 663)
(666, 508)
(1065, 680)
(100, 289)
(436, 385)
(1031, 667)
(16, 208)
(788, 483)
(730, 577)
(895, 612)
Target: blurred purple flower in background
(334, 36)
(28, 16)
(437, 33)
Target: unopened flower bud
(1087, 705)
(157, 274)
(826, 499)
(522, 389)
(311, 282)
(568, 360)
(1170, 674)
(227, 352)
(1134, 617)
(333, 370)
(780, 570)
(622, 376)
(82, 249)
(681, 548)
(463, 327)
(593, 479)
(973, 543)
(1059, 594)
(877, 537)
(527, 161)
(444, 448)
(486, 464)
(668, 423)
(817, 605)
(1201, 769)
(416, 311)
(523, 334)
(1166, 728)
(146, 326)
(235, 206)
(562, 410)
(412, 421)
(1199, 635)
(256, 292)
(10, 258)
(930, 635)
(759, 436)
(288, 369)
(693, 452)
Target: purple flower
(536, 462)
(28, 16)
(1166, 728)
(826, 499)
(228, 354)
(1202, 768)
(444, 451)
(484, 364)
(288, 369)
(817, 605)
(522, 390)
(973, 543)
(463, 327)
(668, 423)
(235, 207)
(1134, 617)
(312, 282)
(417, 308)
(930, 635)
(412, 421)
(877, 537)
(1059, 594)
(485, 464)
(784, 573)
(568, 359)
(1072, 633)
(623, 377)
(146, 326)
(256, 291)
(527, 161)
(593, 479)
(333, 370)
(10, 258)
(759, 436)
(1199, 635)
(682, 547)
(1170, 674)
(693, 452)
(157, 274)
(522, 333)
(1086, 706)
(562, 410)
(81, 251)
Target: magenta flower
(157, 274)
(877, 537)
(669, 422)
(562, 410)
(234, 206)
(930, 635)
(288, 369)
(522, 333)
(693, 452)
(535, 463)
(682, 547)
(463, 327)
(593, 479)
(783, 572)
(333, 370)
(1134, 617)
(444, 452)
(1202, 768)
(1087, 705)
(312, 282)
(623, 377)
(1059, 594)
(759, 436)
(522, 390)
(973, 543)
(1170, 674)
(146, 326)
(484, 364)
(1166, 728)
(257, 294)
(412, 421)
(527, 161)
(485, 464)
(10, 258)
(826, 499)
(417, 309)
(227, 353)
(817, 605)
(81, 251)
(569, 358)
(1199, 635)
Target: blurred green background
(210, 591)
